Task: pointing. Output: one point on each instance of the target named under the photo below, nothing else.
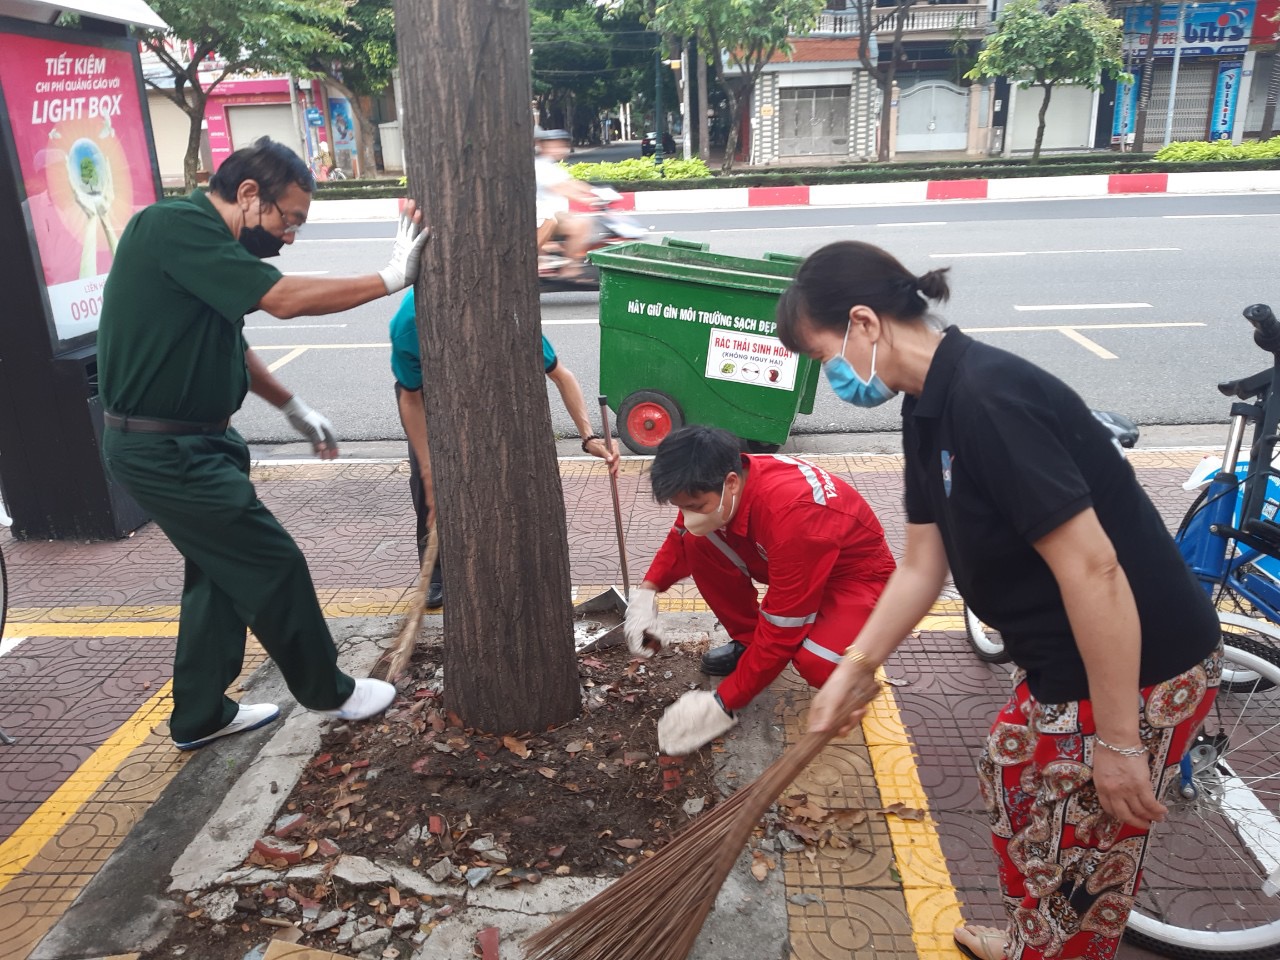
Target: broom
(656, 911)
(392, 663)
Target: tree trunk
(1273, 91)
(890, 73)
(508, 651)
(1144, 88)
(731, 141)
(368, 166)
(1044, 108)
(704, 135)
(191, 160)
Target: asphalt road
(1135, 301)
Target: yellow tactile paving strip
(45, 864)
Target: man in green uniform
(173, 367)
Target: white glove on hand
(691, 722)
(312, 425)
(644, 636)
(406, 255)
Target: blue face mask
(850, 387)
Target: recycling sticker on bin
(747, 358)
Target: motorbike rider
(555, 189)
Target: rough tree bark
(508, 651)
(1044, 109)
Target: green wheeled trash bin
(688, 336)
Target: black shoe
(435, 591)
(720, 661)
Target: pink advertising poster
(81, 140)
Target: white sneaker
(369, 699)
(250, 716)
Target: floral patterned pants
(1068, 870)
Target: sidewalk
(85, 691)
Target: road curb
(882, 194)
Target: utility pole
(686, 114)
(1173, 78)
(509, 660)
(657, 102)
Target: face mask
(850, 387)
(260, 242)
(700, 524)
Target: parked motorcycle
(609, 225)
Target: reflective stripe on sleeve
(789, 621)
(820, 651)
(729, 552)
(819, 495)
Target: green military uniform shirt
(170, 341)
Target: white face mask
(700, 524)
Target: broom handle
(617, 508)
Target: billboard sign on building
(1208, 29)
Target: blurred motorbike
(610, 225)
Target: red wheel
(646, 418)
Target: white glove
(644, 636)
(691, 722)
(406, 255)
(312, 425)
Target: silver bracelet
(1123, 751)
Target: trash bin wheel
(759, 446)
(645, 419)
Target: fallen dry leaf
(760, 870)
(518, 747)
(547, 772)
(630, 843)
(903, 812)
(811, 811)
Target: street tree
(1148, 75)
(872, 18)
(274, 36)
(745, 34)
(509, 661)
(1078, 43)
(367, 34)
(587, 57)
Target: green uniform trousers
(242, 570)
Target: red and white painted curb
(882, 194)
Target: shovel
(610, 607)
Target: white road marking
(1215, 216)
(583, 321)
(1081, 306)
(305, 273)
(915, 223)
(1085, 326)
(345, 239)
(297, 326)
(8, 644)
(1088, 344)
(291, 355)
(1043, 253)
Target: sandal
(988, 942)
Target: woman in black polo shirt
(1014, 487)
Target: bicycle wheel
(987, 643)
(1239, 629)
(1212, 871)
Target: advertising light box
(73, 119)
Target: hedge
(1220, 150)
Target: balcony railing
(935, 17)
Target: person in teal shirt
(406, 365)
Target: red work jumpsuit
(819, 547)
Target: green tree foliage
(587, 57)
(1076, 44)
(367, 34)
(278, 36)
(745, 33)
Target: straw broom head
(656, 911)
(394, 661)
